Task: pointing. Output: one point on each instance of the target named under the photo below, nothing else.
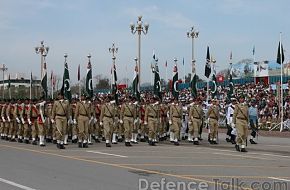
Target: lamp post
(139, 28)
(192, 34)
(113, 50)
(3, 68)
(43, 51)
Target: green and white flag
(89, 81)
(214, 81)
(135, 85)
(65, 89)
(193, 84)
(114, 84)
(175, 92)
(44, 80)
(157, 82)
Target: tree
(102, 82)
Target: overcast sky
(79, 27)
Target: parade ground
(165, 166)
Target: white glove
(145, 123)
(101, 123)
(8, 119)
(233, 125)
(18, 120)
(22, 120)
(52, 121)
(95, 120)
(29, 122)
(3, 119)
(189, 122)
(121, 121)
(75, 121)
(136, 121)
(170, 122)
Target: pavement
(165, 166)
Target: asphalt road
(186, 167)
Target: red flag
(79, 75)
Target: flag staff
(281, 62)
(3, 68)
(79, 80)
(30, 88)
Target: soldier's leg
(34, 132)
(14, 128)
(155, 130)
(151, 131)
(2, 130)
(196, 125)
(254, 128)
(211, 127)
(115, 131)
(20, 132)
(177, 130)
(81, 132)
(127, 132)
(97, 132)
(74, 132)
(41, 133)
(240, 131)
(108, 125)
(86, 133)
(121, 132)
(26, 132)
(134, 131)
(190, 131)
(215, 132)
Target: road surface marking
(120, 166)
(281, 179)
(117, 155)
(15, 184)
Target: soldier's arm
(146, 115)
(77, 111)
(122, 112)
(68, 112)
(53, 111)
(102, 113)
(170, 113)
(235, 114)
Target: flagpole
(30, 88)
(183, 70)
(281, 62)
(166, 76)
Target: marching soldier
(5, 120)
(41, 122)
(107, 116)
(1, 121)
(195, 117)
(18, 111)
(143, 128)
(175, 118)
(152, 119)
(97, 113)
(231, 130)
(83, 115)
(11, 124)
(240, 119)
(48, 124)
(128, 117)
(253, 116)
(213, 117)
(32, 121)
(163, 125)
(74, 126)
(24, 120)
(60, 115)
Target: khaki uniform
(98, 128)
(195, 118)
(107, 117)
(213, 116)
(11, 124)
(33, 114)
(163, 114)
(128, 115)
(18, 112)
(241, 119)
(74, 124)
(143, 128)
(175, 118)
(26, 126)
(60, 113)
(50, 127)
(152, 117)
(4, 121)
(83, 115)
(1, 123)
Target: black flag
(207, 65)
(280, 54)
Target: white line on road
(117, 155)
(15, 184)
(281, 179)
